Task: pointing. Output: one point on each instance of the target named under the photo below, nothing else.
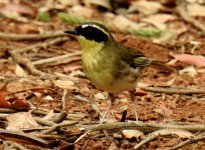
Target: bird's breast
(107, 73)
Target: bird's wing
(133, 57)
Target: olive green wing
(133, 57)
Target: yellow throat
(100, 64)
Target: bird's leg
(133, 99)
(111, 97)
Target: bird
(109, 65)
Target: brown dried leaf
(28, 28)
(49, 115)
(145, 7)
(67, 2)
(13, 102)
(100, 96)
(132, 133)
(64, 84)
(22, 9)
(171, 81)
(21, 120)
(70, 68)
(14, 87)
(159, 20)
(19, 71)
(81, 11)
(48, 98)
(3, 102)
(198, 61)
(140, 92)
(164, 111)
(121, 23)
(189, 71)
(196, 10)
(104, 3)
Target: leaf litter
(45, 95)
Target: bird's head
(91, 34)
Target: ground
(40, 94)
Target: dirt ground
(47, 90)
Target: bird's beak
(72, 32)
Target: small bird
(109, 65)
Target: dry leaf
(140, 92)
(100, 96)
(13, 102)
(48, 98)
(19, 71)
(170, 82)
(21, 120)
(172, 62)
(14, 87)
(196, 10)
(198, 61)
(201, 70)
(49, 115)
(64, 84)
(70, 68)
(180, 133)
(120, 23)
(28, 28)
(141, 84)
(190, 71)
(145, 7)
(193, 1)
(17, 8)
(158, 20)
(163, 18)
(132, 133)
(58, 4)
(103, 3)
(164, 111)
(37, 94)
(81, 11)
(67, 2)
(113, 146)
(124, 100)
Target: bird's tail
(161, 66)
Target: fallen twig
(189, 141)
(62, 115)
(41, 45)
(22, 137)
(20, 37)
(144, 127)
(54, 137)
(154, 135)
(7, 110)
(13, 145)
(171, 90)
(54, 127)
(184, 14)
(82, 136)
(69, 115)
(28, 64)
(92, 103)
(58, 60)
(44, 122)
(31, 68)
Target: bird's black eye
(92, 33)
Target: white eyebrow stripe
(95, 26)
(85, 25)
